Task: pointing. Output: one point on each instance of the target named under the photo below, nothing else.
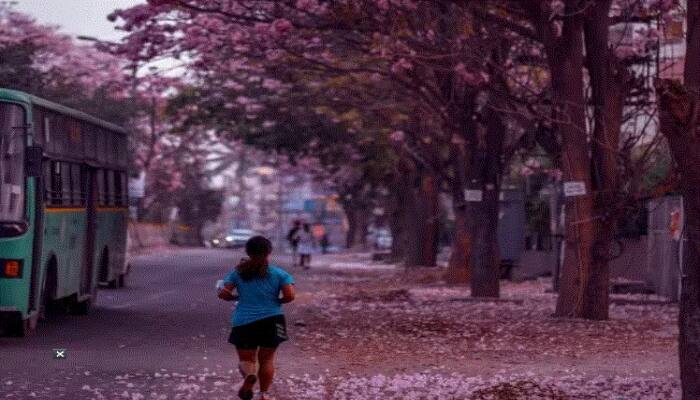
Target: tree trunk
(486, 168)
(678, 113)
(358, 223)
(353, 226)
(679, 107)
(475, 243)
(397, 223)
(565, 59)
(609, 85)
(415, 211)
(458, 270)
(483, 258)
(425, 223)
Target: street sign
(574, 188)
(473, 195)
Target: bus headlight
(11, 268)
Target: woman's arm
(226, 293)
(287, 294)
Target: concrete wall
(631, 265)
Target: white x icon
(59, 353)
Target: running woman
(258, 320)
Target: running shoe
(246, 390)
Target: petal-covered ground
(404, 334)
(369, 331)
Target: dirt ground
(360, 332)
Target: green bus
(63, 209)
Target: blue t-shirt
(259, 297)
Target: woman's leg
(246, 365)
(266, 359)
(246, 361)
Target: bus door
(42, 187)
(90, 190)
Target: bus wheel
(104, 271)
(14, 326)
(81, 307)
(47, 306)
(122, 277)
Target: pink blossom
(401, 66)
(281, 26)
(533, 163)
(243, 100)
(307, 5)
(397, 136)
(526, 171)
(469, 77)
(271, 84)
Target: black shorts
(267, 332)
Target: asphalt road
(166, 321)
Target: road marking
(144, 300)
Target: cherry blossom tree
(38, 59)
(41, 60)
(575, 39)
(367, 40)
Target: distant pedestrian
(325, 242)
(307, 246)
(258, 321)
(293, 239)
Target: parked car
(237, 237)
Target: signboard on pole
(574, 188)
(473, 195)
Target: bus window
(47, 130)
(48, 176)
(118, 189)
(66, 191)
(37, 126)
(110, 187)
(99, 176)
(91, 142)
(125, 190)
(76, 185)
(59, 134)
(102, 145)
(52, 183)
(12, 142)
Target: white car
(238, 237)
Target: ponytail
(252, 268)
